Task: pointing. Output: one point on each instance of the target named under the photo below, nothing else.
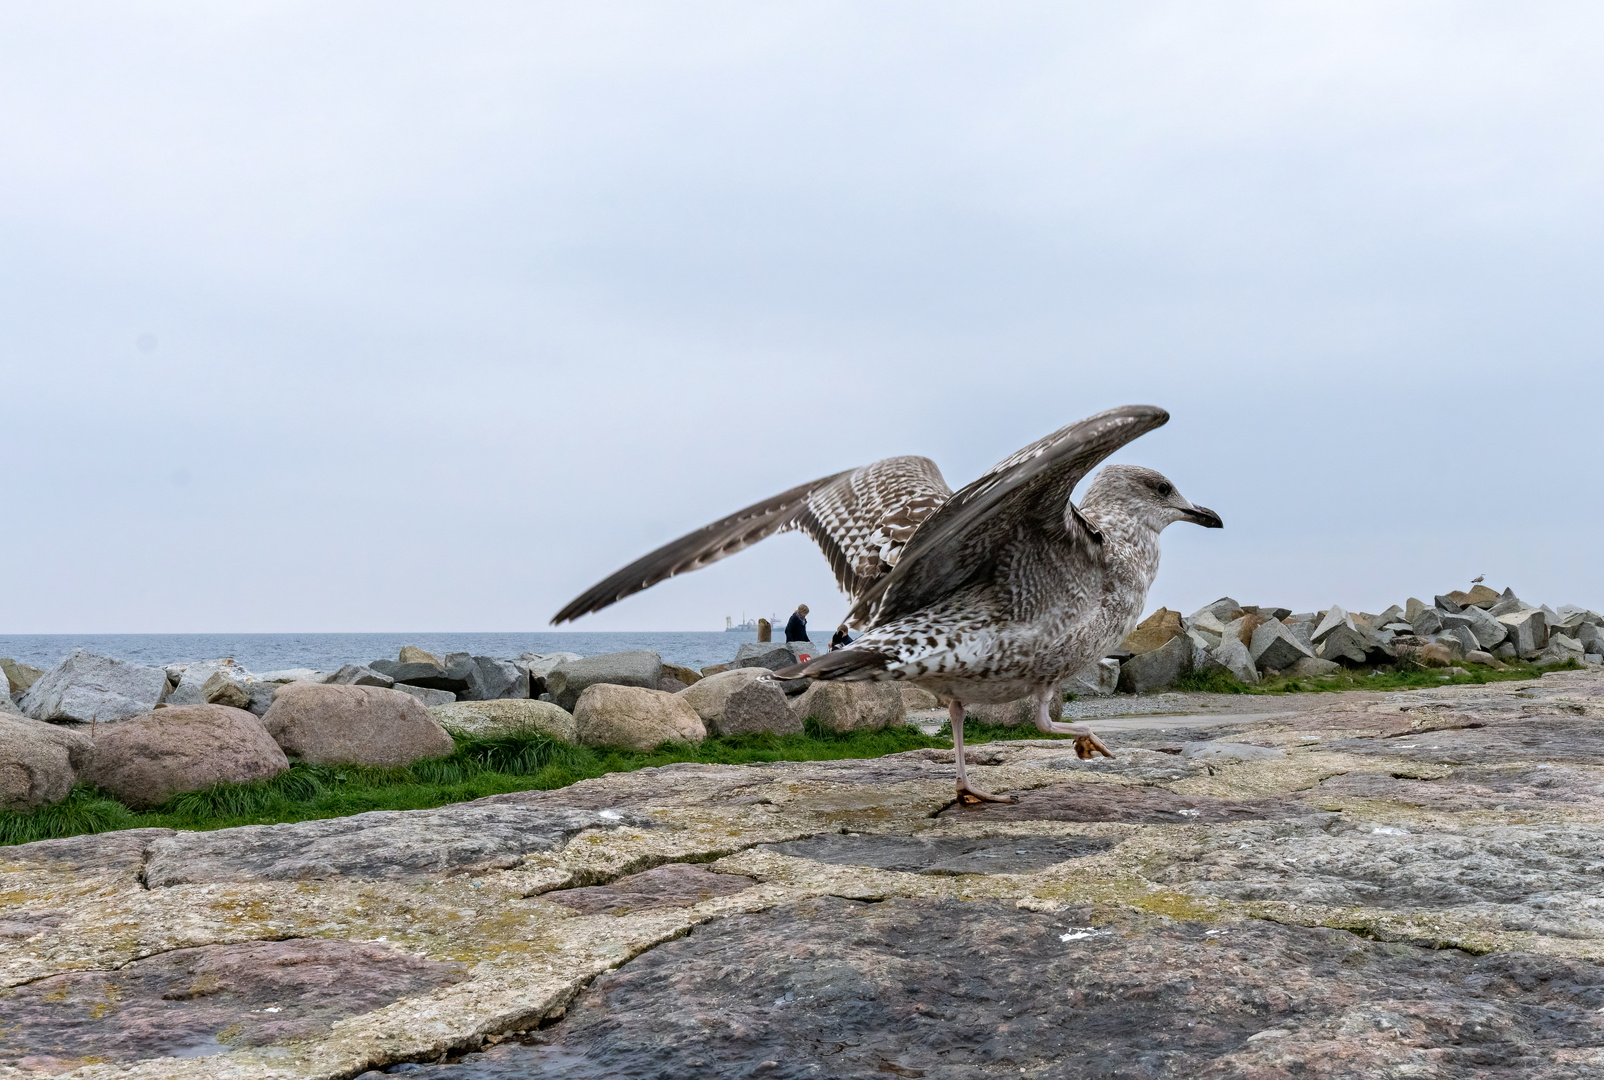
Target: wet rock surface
(1335, 885)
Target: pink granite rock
(145, 761)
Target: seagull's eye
(1164, 490)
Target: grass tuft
(1406, 676)
(84, 810)
(1212, 681)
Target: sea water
(328, 652)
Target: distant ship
(733, 627)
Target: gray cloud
(443, 314)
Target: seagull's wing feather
(856, 517)
(695, 550)
(961, 540)
(863, 521)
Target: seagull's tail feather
(848, 664)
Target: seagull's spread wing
(861, 519)
(959, 543)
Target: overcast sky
(391, 316)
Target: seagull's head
(1147, 497)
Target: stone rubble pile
(1477, 627)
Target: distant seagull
(998, 592)
(1478, 579)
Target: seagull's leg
(1086, 744)
(966, 794)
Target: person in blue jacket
(797, 628)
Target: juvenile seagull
(998, 592)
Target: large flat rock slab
(839, 988)
(115, 854)
(1513, 787)
(1515, 877)
(1357, 885)
(1538, 738)
(1109, 802)
(383, 844)
(947, 855)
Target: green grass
(1219, 681)
(1212, 681)
(478, 767)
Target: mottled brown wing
(959, 542)
(864, 519)
(860, 519)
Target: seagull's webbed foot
(1089, 744)
(1086, 743)
(968, 796)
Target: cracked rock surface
(1405, 885)
(949, 988)
(950, 855)
(378, 844)
(187, 1001)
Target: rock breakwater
(147, 734)
(1249, 642)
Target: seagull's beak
(1202, 515)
